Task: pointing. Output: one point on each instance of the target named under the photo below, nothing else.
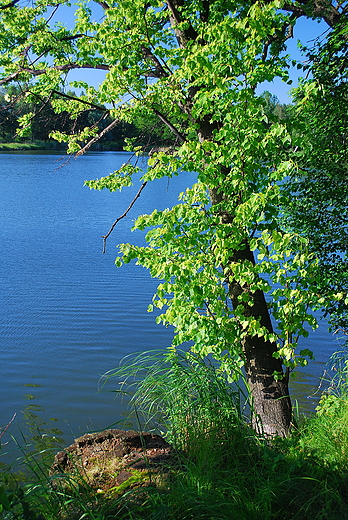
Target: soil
(115, 459)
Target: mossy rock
(113, 461)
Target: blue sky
(306, 31)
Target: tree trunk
(271, 410)
(270, 400)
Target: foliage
(228, 264)
(319, 210)
(273, 109)
(36, 119)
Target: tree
(235, 281)
(272, 107)
(320, 209)
(7, 118)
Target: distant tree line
(41, 118)
(273, 107)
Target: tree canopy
(240, 276)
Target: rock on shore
(111, 458)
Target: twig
(45, 102)
(7, 426)
(105, 237)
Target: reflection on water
(303, 391)
(37, 439)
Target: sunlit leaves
(116, 180)
(75, 140)
(319, 208)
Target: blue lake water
(68, 314)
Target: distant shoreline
(29, 145)
(54, 146)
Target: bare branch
(62, 68)
(97, 137)
(52, 14)
(149, 54)
(287, 33)
(102, 4)
(45, 102)
(105, 237)
(166, 121)
(159, 71)
(319, 8)
(83, 101)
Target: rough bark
(271, 410)
(323, 9)
(270, 400)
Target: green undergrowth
(221, 469)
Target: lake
(68, 314)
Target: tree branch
(97, 137)
(204, 14)
(10, 4)
(166, 121)
(319, 8)
(159, 70)
(287, 34)
(182, 35)
(62, 68)
(105, 237)
(102, 4)
(83, 101)
(44, 104)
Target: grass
(54, 145)
(30, 145)
(181, 396)
(223, 470)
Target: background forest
(146, 131)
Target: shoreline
(54, 146)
